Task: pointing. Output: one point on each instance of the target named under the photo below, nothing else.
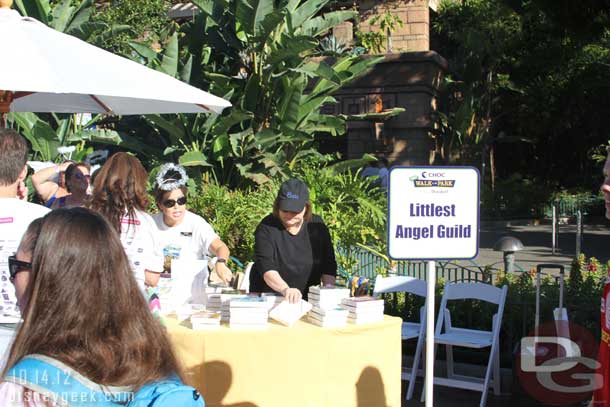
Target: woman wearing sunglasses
(184, 235)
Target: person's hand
(293, 295)
(22, 191)
(223, 272)
(64, 166)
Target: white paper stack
(326, 297)
(205, 320)
(248, 312)
(328, 318)
(363, 310)
(287, 314)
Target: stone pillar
(414, 14)
(407, 80)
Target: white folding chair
(451, 336)
(410, 330)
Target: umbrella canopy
(43, 70)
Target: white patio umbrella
(43, 70)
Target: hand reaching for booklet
(293, 295)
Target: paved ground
(449, 397)
(537, 242)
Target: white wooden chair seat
(468, 338)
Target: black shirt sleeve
(264, 248)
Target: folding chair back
(410, 330)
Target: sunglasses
(170, 203)
(16, 266)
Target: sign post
(433, 214)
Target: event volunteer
(119, 194)
(15, 213)
(293, 248)
(182, 234)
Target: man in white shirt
(15, 213)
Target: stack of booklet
(328, 318)
(205, 320)
(219, 302)
(248, 312)
(326, 297)
(363, 310)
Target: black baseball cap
(293, 195)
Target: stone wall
(415, 15)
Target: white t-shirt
(138, 236)
(15, 217)
(190, 240)
(185, 249)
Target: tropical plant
(70, 17)
(264, 57)
(144, 20)
(331, 46)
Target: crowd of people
(77, 272)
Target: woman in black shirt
(293, 248)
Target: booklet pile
(327, 311)
(205, 320)
(219, 302)
(248, 312)
(363, 310)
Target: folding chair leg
(490, 369)
(449, 352)
(415, 368)
(423, 391)
(497, 379)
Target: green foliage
(527, 90)
(262, 57)
(141, 20)
(234, 214)
(71, 17)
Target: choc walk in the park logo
(433, 213)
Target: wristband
(221, 260)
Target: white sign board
(433, 213)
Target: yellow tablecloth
(305, 365)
